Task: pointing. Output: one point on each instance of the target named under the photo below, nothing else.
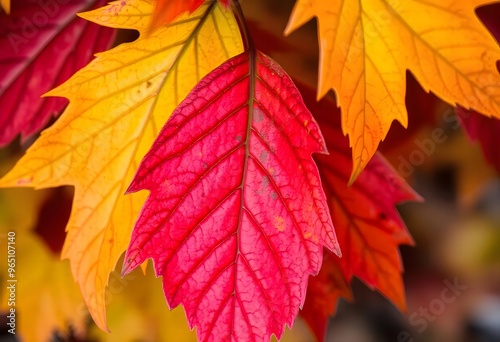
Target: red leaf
(236, 219)
(483, 129)
(368, 226)
(36, 57)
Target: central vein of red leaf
(250, 104)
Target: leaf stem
(247, 38)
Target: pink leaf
(236, 220)
(42, 44)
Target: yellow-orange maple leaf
(367, 46)
(118, 103)
(5, 4)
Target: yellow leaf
(5, 4)
(118, 103)
(46, 296)
(367, 46)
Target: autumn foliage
(265, 196)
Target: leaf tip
(359, 163)
(354, 175)
(291, 26)
(53, 93)
(127, 267)
(293, 23)
(401, 304)
(87, 15)
(332, 242)
(130, 263)
(417, 197)
(131, 188)
(98, 314)
(337, 251)
(288, 30)
(5, 4)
